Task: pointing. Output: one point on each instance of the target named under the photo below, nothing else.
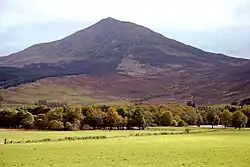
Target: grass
(164, 128)
(20, 135)
(36, 135)
(214, 149)
(189, 150)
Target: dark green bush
(182, 123)
(187, 131)
(56, 125)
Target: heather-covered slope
(132, 62)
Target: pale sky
(213, 25)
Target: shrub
(68, 126)
(76, 125)
(41, 122)
(213, 117)
(28, 121)
(56, 125)
(239, 120)
(187, 131)
(226, 118)
(182, 123)
(234, 103)
(167, 118)
(175, 123)
(94, 121)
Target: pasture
(210, 149)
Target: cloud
(179, 14)
(16, 38)
(18, 12)
(232, 41)
(27, 22)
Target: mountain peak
(132, 62)
(113, 39)
(109, 19)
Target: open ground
(125, 148)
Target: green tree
(41, 122)
(191, 103)
(35, 110)
(234, 103)
(185, 117)
(156, 115)
(200, 119)
(55, 114)
(137, 119)
(246, 110)
(55, 125)
(73, 113)
(24, 119)
(182, 123)
(175, 123)
(122, 111)
(167, 118)
(177, 118)
(8, 118)
(77, 125)
(68, 126)
(239, 120)
(113, 119)
(148, 116)
(94, 121)
(27, 120)
(1, 100)
(203, 113)
(226, 118)
(74, 126)
(19, 117)
(95, 118)
(212, 117)
(192, 117)
(124, 122)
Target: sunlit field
(21, 135)
(210, 149)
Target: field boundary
(78, 138)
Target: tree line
(59, 116)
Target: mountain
(125, 60)
(111, 40)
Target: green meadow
(120, 148)
(21, 135)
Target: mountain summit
(124, 51)
(111, 40)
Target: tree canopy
(45, 116)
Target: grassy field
(213, 149)
(20, 135)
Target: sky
(221, 26)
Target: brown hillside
(121, 60)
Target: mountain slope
(206, 86)
(132, 62)
(109, 41)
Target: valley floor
(210, 149)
